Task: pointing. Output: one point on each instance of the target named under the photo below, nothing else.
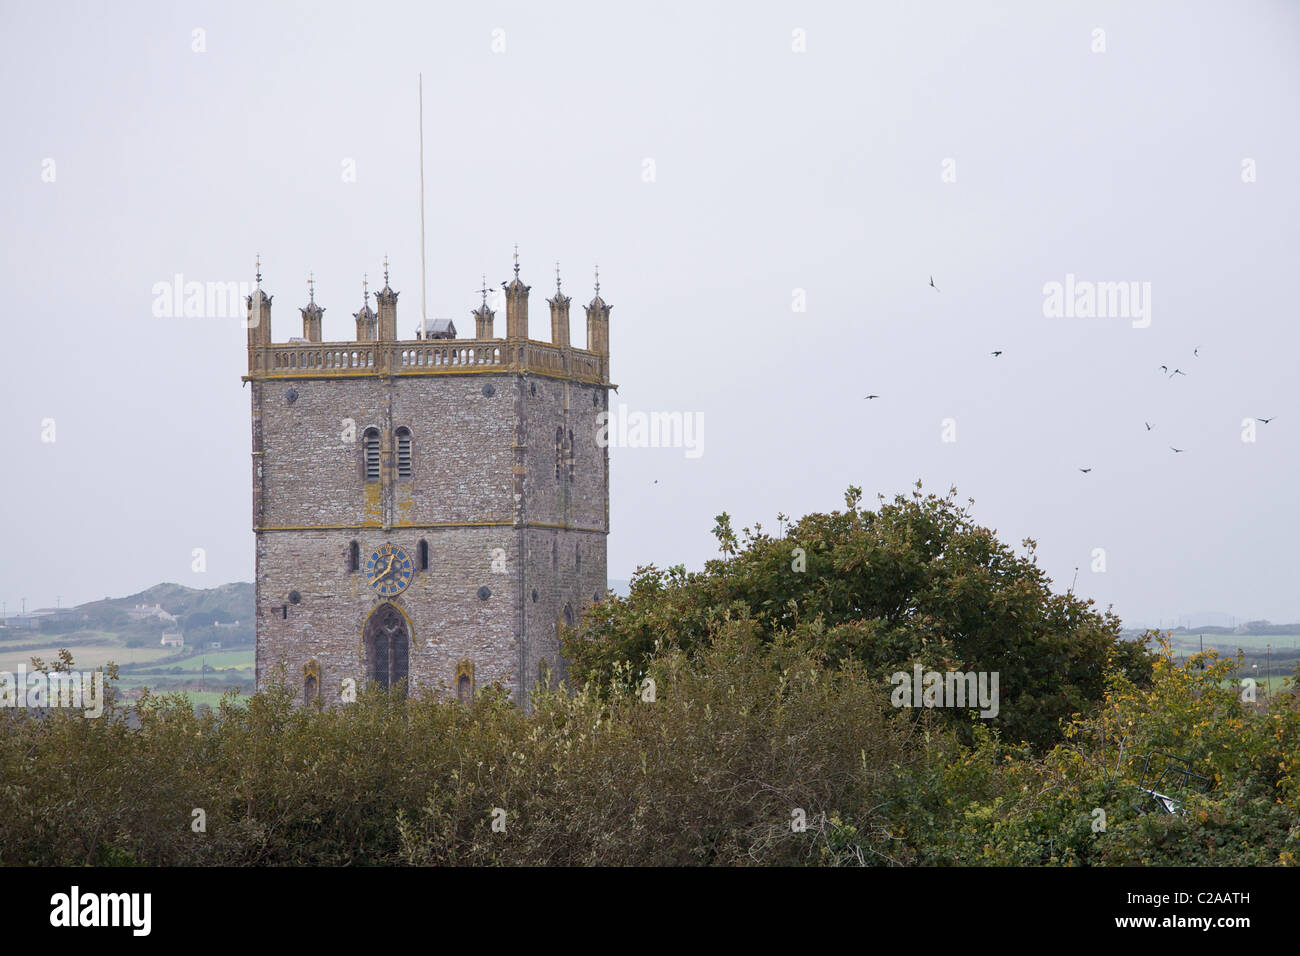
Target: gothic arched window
(354, 557)
(370, 451)
(388, 647)
(403, 452)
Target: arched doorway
(388, 647)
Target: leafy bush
(916, 580)
(751, 751)
(738, 743)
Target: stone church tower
(426, 509)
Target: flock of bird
(1196, 352)
(1164, 369)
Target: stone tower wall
(483, 493)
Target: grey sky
(774, 171)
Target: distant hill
(1252, 628)
(226, 602)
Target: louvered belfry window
(370, 444)
(403, 452)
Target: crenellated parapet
(377, 349)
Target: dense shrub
(739, 744)
(744, 740)
(917, 580)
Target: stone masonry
(506, 487)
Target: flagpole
(424, 332)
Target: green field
(85, 656)
(221, 660)
(154, 664)
(196, 697)
(1287, 644)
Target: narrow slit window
(354, 557)
(424, 555)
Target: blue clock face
(389, 570)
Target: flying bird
(997, 353)
(1148, 425)
(1196, 353)
(870, 397)
(1177, 371)
(1176, 451)
(932, 285)
(1164, 368)
(1085, 470)
(1265, 420)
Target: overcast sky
(713, 161)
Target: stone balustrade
(424, 357)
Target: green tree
(914, 581)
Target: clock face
(389, 570)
